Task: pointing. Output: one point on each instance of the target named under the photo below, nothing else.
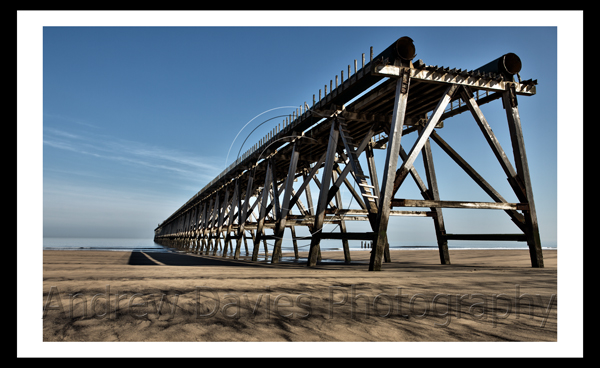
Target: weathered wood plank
(262, 213)
(485, 237)
(438, 219)
(243, 215)
(391, 160)
(459, 204)
(531, 229)
(348, 236)
(285, 206)
(323, 194)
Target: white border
(29, 177)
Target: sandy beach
(484, 295)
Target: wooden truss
(255, 200)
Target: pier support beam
(323, 194)
(433, 193)
(243, 208)
(509, 98)
(391, 160)
(285, 205)
(262, 212)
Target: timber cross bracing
(255, 197)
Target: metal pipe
(404, 48)
(399, 53)
(507, 65)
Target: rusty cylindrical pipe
(405, 48)
(401, 52)
(507, 65)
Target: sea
(148, 245)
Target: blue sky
(136, 119)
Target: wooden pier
(256, 199)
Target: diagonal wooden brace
(285, 206)
(323, 194)
(423, 137)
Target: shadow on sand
(181, 259)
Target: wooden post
(245, 244)
(232, 214)
(220, 219)
(207, 224)
(197, 227)
(285, 206)
(433, 193)
(295, 242)
(274, 206)
(323, 194)
(215, 222)
(309, 200)
(509, 99)
(264, 239)
(222, 213)
(391, 160)
(261, 217)
(202, 230)
(345, 245)
(243, 216)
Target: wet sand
(484, 295)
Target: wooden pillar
(323, 194)
(295, 242)
(264, 240)
(195, 228)
(391, 160)
(213, 222)
(222, 212)
(186, 224)
(375, 183)
(285, 205)
(190, 230)
(309, 200)
(261, 217)
(345, 245)
(433, 193)
(245, 244)
(231, 218)
(203, 225)
(509, 99)
(243, 216)
(274, 208)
